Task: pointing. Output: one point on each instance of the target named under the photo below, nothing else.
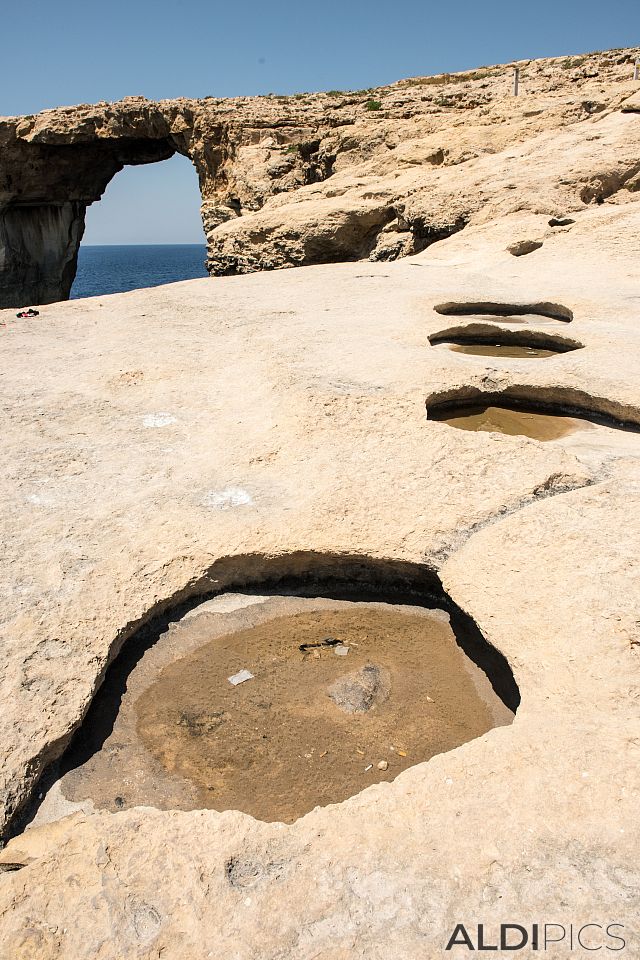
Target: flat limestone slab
(166, 442)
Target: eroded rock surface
(172, 443)
(321, 178)
(110, 511)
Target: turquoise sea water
(114, 269)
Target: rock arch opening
(56, 178)
(145, 231)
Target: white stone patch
(55, 806)
(441, 615)
(225, 499)
(158, 420)
(225, 603)
(40, 500)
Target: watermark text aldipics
(571, 937)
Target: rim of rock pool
(496, 308)
(554, 400)
(486, 334)
(302, 574)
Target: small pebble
(382, 765)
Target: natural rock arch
(53, 176)
(401, 177)
(55, 164)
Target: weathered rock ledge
(169, 442)
(321, 178)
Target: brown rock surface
(320, 178)
(207, 435)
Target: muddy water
(309, 729)
(538, 426)
(500, 350)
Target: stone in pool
(361, 690)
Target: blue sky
(72, 52)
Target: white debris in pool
(158, 420)
(224, 499)
(240, 677)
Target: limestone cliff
(319, 178)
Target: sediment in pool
(312, 726)
(501, 350)
(491, 418)
(488, 339)
(590, 433)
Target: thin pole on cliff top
(516, 80)
(636, 71)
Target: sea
(117, 268)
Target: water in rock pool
(523, 423)
(117, 268)
(500, 350)
(311, 726)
